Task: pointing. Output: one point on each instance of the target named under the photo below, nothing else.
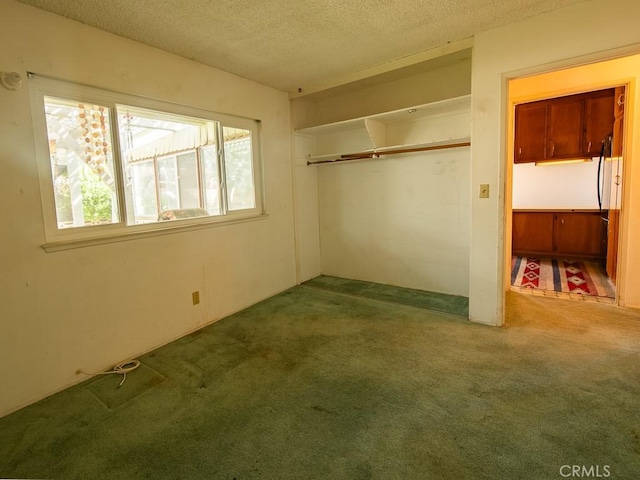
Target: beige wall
(362, 99)
(92, 307)
(402, 220)
(306, 207)
(571, 36)
(445, 82)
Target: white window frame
(62, 239)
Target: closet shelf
(432, 126)
(392, 150)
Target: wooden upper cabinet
(599, 120)
(531, 121)
(564, 133)
(563, 128)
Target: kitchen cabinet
(564, 132)
(577, 233)
(531, 129)
(557, 233)
(563, 128)
(598, 120)
(618, 122)
(532, 232)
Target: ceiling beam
(403, 62)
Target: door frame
(582, 84)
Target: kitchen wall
(561, 186)
(92, 307)
(558, 39)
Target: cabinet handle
(553, 148)
(519, 152)
(589, 147)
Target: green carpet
(311, 384)
(107, 389)
(453, 304)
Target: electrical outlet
(484, 190)
(195, 297)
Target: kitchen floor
(573, 279)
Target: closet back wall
(401, 220)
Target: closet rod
(367, 155)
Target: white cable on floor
(121, 368)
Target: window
(114, 164)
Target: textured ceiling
(289, 44)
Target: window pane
(238, 166)
(111, 158)
(211, 180)
(168, 184)
(188, 179)
(143, 184)
(81, 163)
(171, 141)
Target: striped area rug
(586, 278)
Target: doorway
(550, 204)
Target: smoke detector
(11, 80)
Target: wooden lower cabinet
(532, 232)
(568, 233)
(577, 234)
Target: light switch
(484, 190)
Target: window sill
(61, 245)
